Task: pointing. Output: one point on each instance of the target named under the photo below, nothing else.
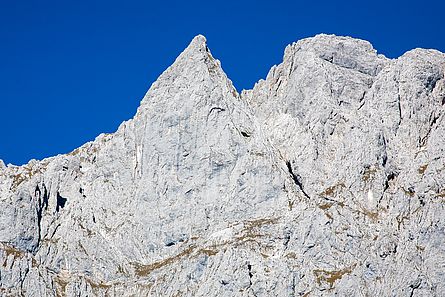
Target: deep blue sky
(70, 70)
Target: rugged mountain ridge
(327, 178)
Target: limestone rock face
(326, 179)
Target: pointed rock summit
(326, 179)
(194, 70)
(198, 44)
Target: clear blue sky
(70, 70)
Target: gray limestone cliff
(326, 179)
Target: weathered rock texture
(326, 179)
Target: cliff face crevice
(327, 178)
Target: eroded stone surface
(327, 178)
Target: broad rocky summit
(326, 179)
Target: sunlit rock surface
(326, 179)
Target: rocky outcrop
(327, 178)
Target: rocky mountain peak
(195, 68)
(326, 179)
(198, 44)
(343, 51)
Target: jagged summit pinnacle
(195, 67)
(326, 179)
(199, 42)
(196, 48)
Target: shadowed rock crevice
(60, 202)
(296, 179)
